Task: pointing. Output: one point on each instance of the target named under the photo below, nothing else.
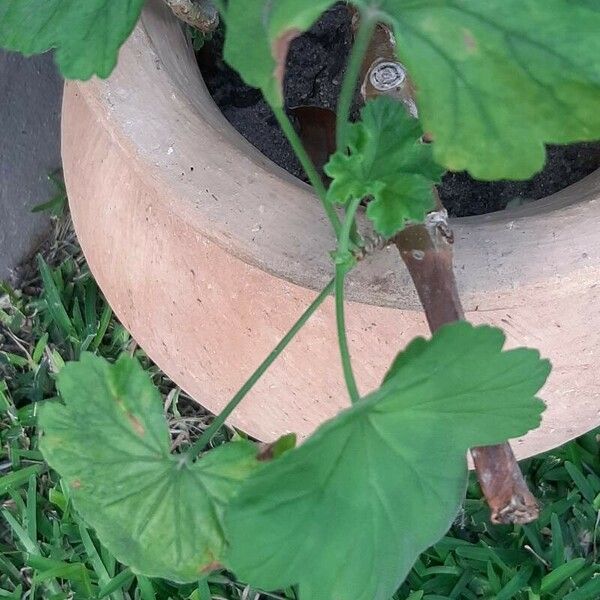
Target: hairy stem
(340, 276)
(203, 441)
(344, 262)
(308, 166)
(200, 14)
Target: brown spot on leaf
(213, 566)
(76, 484)
(135, 423)
(265, 452)
(280, 50)
(269, 451)
(469, 40)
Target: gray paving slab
(30, 97)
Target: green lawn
(46, 551)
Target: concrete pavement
(30, 97)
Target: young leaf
(497, 80)
(110, 443)
(87, 35)
(389, 162)
(346, 514)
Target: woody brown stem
(426, 250)
(200, 14)
(316, 128)
(503, 485)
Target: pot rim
(204, 279)
(280, 226)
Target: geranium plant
(482, 86)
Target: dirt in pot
(314, 73)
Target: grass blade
(515, 584)
(580, 481)
(554, 579)
(588, 591)
(558, 543)
(31, 514)
(56, 308)
(18, 478)
(122, 580)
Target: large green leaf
(498, 79)
(495, 80)
(110, 443)
(389, 162)
(346, 514)
(87, 34)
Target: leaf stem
(308, 166)
(359, 49)
(344, 262)
(202, 442)
(340, 275)
(363, 37)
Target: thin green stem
(308, 166)
(349, 84)
(340, 275)
(220, 419)
(344, 243)
(359, 49)
(343, 265)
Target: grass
(46, 551)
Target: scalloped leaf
(346, 514)
(495, 80)
(87, 35)
(110, 442)
(387, 161)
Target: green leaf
(87, 35)
(389, 162)
(494, 80)
(497, 80)
(346, 514)
(258, 35)
(110, 442)
(53, 298)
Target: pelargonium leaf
(497, 80)
(346, 514)
(388, 161)
(87, 35)
(110, 442)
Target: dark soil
(315, 69)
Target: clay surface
(208, 252)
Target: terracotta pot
(208, 252)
